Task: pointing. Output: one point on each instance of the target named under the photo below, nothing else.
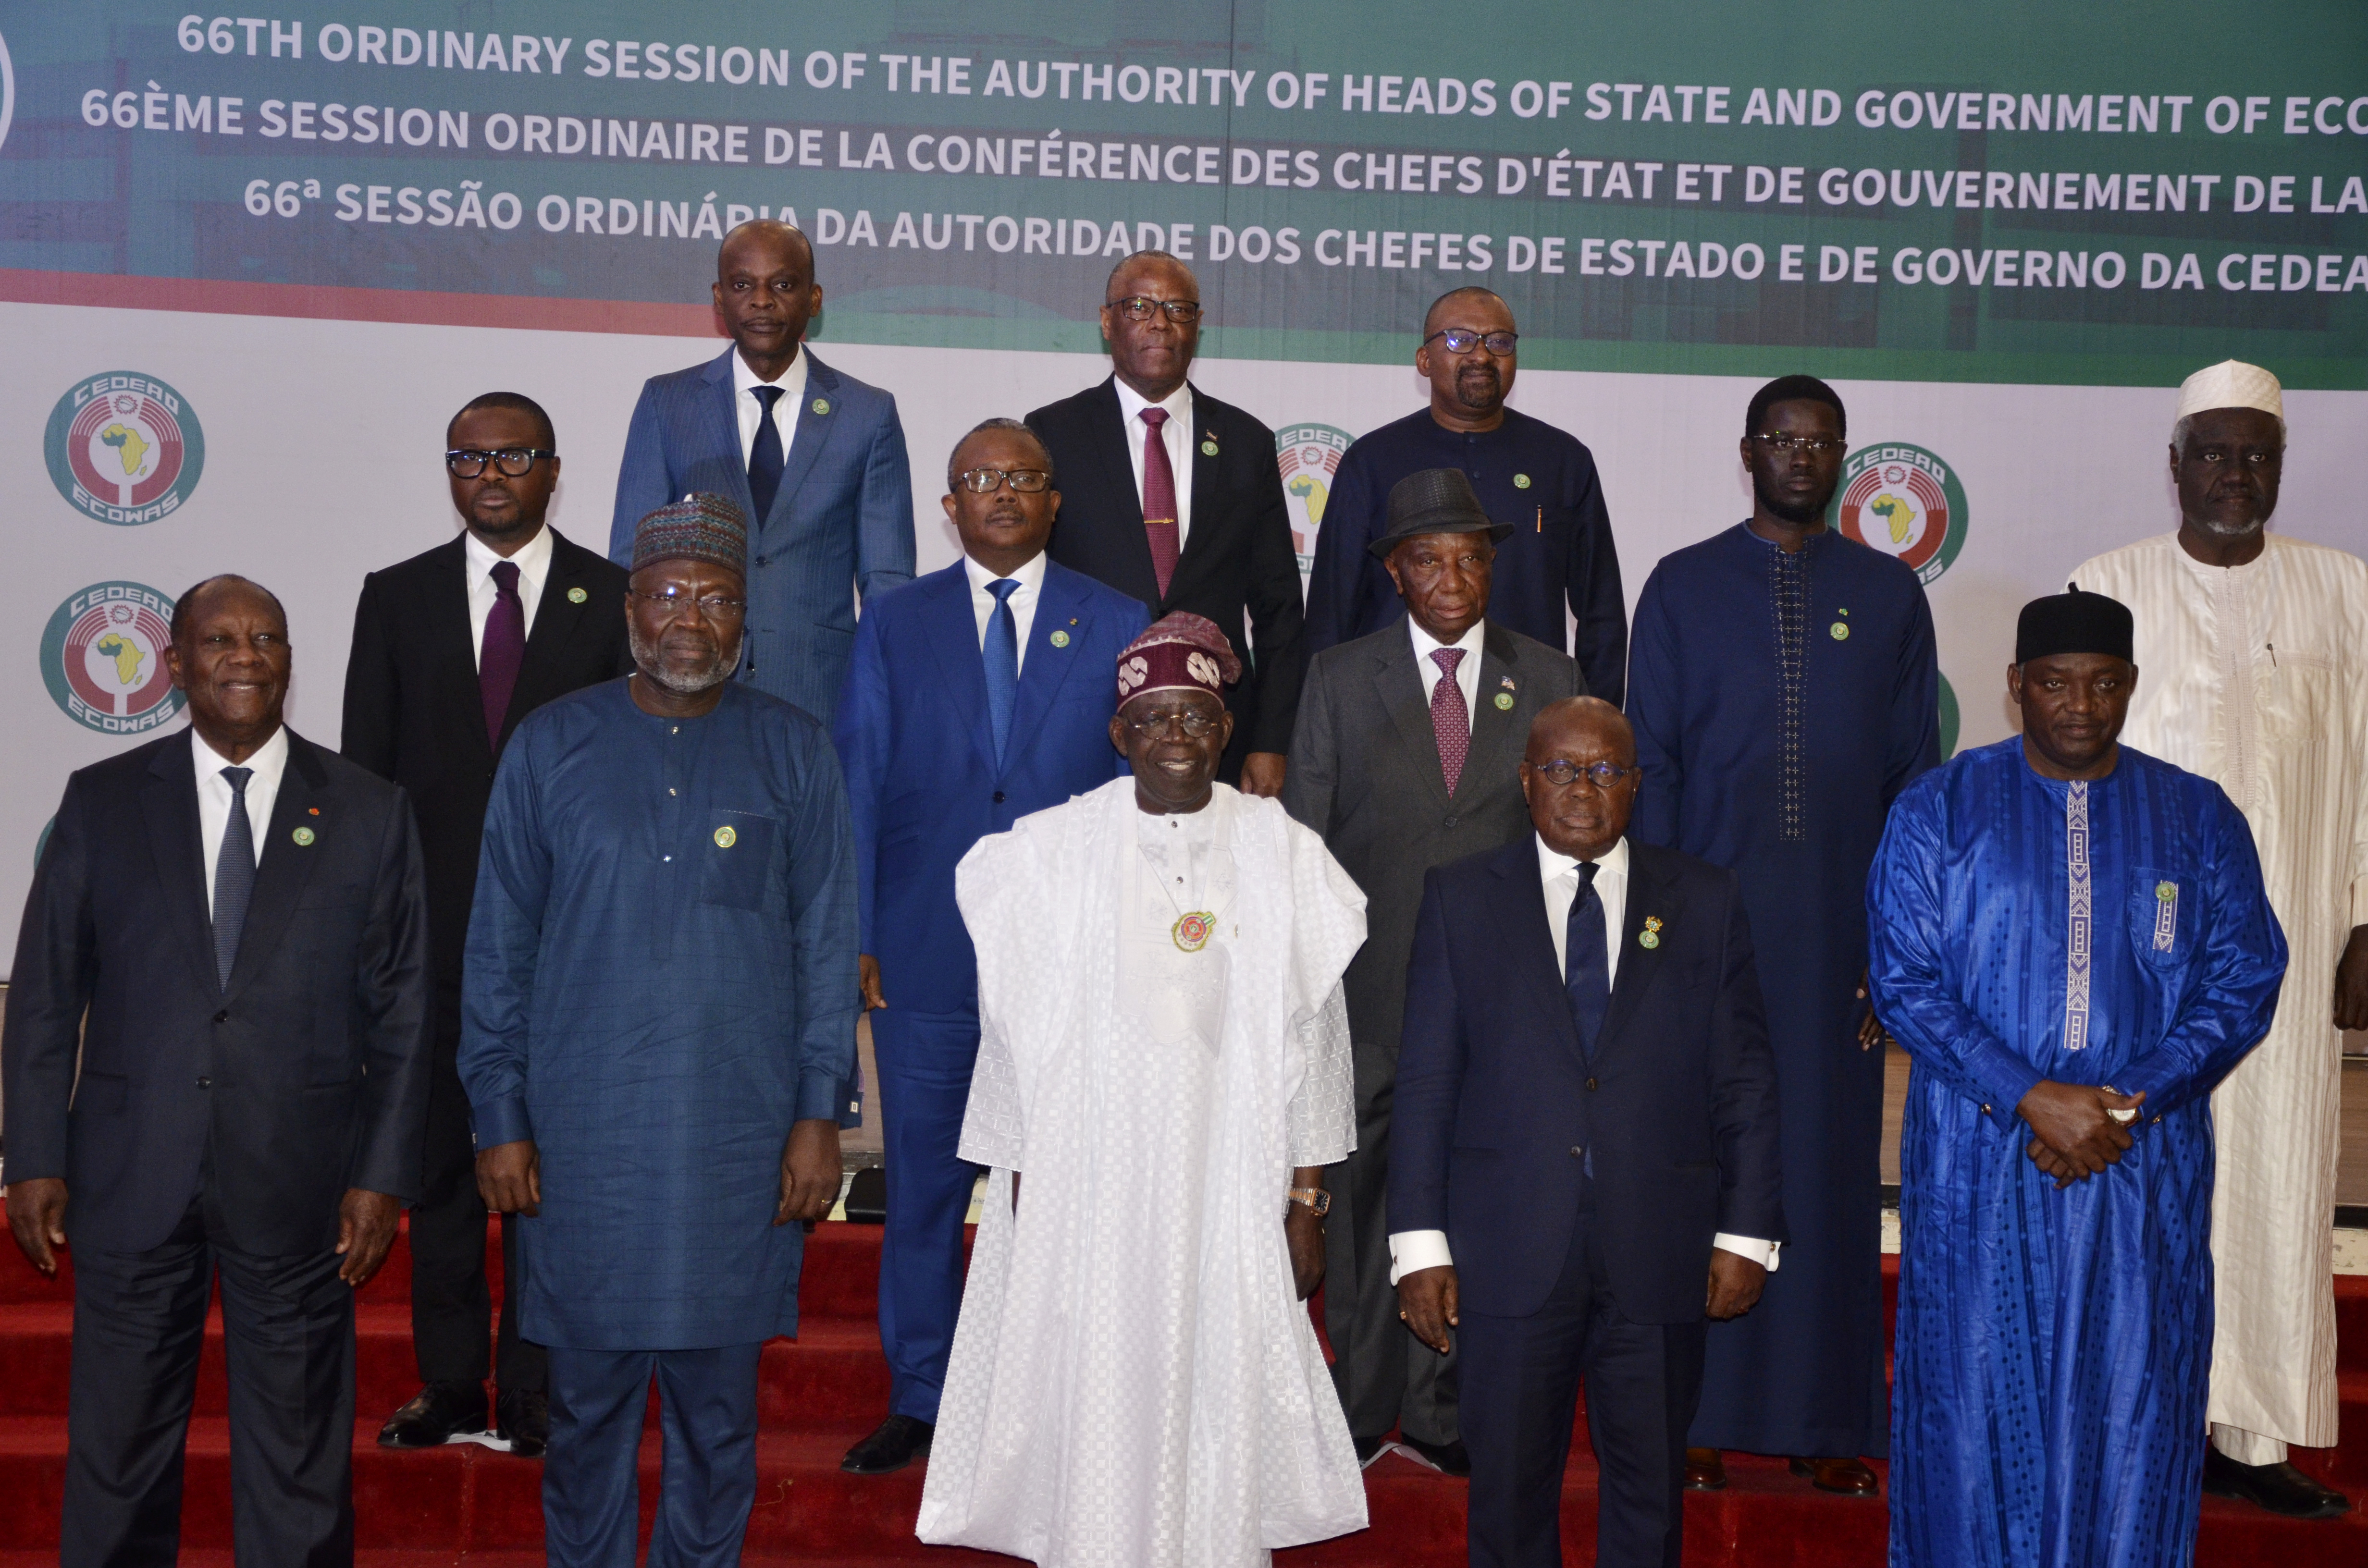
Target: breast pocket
(2302, 698)
(2162, 909)
(738, 858)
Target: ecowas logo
(1309, 456)
(103, 656)
(1905, 502)
(124, 447)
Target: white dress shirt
(214, 796)
(751, 408)
(1031, 578)
(1181, 441)
(1413, 1250)
(533, 561)
(1467, 668)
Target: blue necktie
(1002, 654)
(765, 458)
(1587, 963)
(234, 876)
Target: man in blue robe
(658, 1009)
(1783, 689)
(2073, 941)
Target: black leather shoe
(1448, 1458)
(438, 1413)
(1369, 1449)
(523, 1421)
(2280, 1488)
(894, 1444)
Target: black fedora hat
(1434, 501)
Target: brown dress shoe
(1848, 1477)
(1705, 1471)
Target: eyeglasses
(468, 463)
(1191, 720)
(987, 480)
(1459, 341)
(714, 606)
(1562, 775)
(1138, 307)
(1814, 445)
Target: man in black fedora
(1405, 755)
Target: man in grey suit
(1405, 756)
(813, 459)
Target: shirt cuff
(2004, 1077)
(1764, 1254)
(501, 1121)
(1411, 1252)
(821, 1096)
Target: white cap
(2231, 384)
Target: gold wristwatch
(1316, 1197)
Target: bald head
(767, 237)
(1579, 776)
(1587, 722)
(228, 588)
(1470, 294)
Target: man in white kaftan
(2253, 653)
(1164, 1054)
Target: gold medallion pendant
(1191, 932)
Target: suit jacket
(1497, 1106)
(306, 1076)
(1237, 563)
(842, 520)
(414, 712)
(922, 782)
(1365, 774)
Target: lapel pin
(1208, 449)
(1840, 630)
(1650, 937)
(725, 838)
(1059, 639)
(822, 406)
(1505, 702)
(303, 835)
(576, 595)
(1520, 482)
(1506, 682)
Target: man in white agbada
(2255, 649)
(1164, 1055)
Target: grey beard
(646, 660)
(2224, 530)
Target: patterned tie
(502, 652)
(1451, 721)
(1002, 654)
(765, 458)
(1587, 963)
(234, 876)
(1160, 525)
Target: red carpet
(429, 1510)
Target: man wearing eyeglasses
(1174, 497)
(1557, 562)
(976, 695)
(452, 648)
(1784, 691)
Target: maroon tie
(503, 650)
(1451, 721)
(1158, 499)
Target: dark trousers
(1521, 1382)
(140, 1321)
(925, 1066)
(452, 1302)
(591, 1483)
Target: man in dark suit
(452, 649)
(1404, 758)
(1177, 499)
(229, 928)
(1587, 1160)
(814, 457)
(977, 695)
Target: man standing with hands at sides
(812, 456)
(2255, 652)
(451, 648)
(1784, 690)
(1537, 481)
(1586, 1157)
(989, 680)
(2055, 1280)
(1406, 755)
(1175, 498)
(227, 934)
(657, 1013)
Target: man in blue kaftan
(2072, 941)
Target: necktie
(765, 458)
(1451, 721)
(234, 876)
(1587, 963)
(1160, 525)
(503, 650)
(1002, 654)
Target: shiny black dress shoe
(2280, 1488)
(894, 1444)
(1845, 1475)
(523, 1421)
(1706, 1470)
(1448, 1458)
(436, 1415)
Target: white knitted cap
(2231, 384)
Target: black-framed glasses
(468, 463)
(987, 480)
(1561, 774)
(1138, 307)
(1812, 445)
(1462, 341)
(1191, 720)
(714, 606)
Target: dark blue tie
(1587, 964)
(765, 458)
(234, 876)
(1002, 653)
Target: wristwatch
(1316, 1197)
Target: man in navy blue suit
(1584, 1165)
(975, 696)
(814, 457)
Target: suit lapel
(1201, 542)
(1650, 897)
(284, 866)
(1060, 608)
(1399, 684)
(953, 639)
(169, 802)
(557, 619)
(1499, 737)
(814, 432)
(727, 403)
(1526, 940)
(454, 648)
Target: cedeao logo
(103, 658)
(1905, 502)
(1309, 457)
(124, 447)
